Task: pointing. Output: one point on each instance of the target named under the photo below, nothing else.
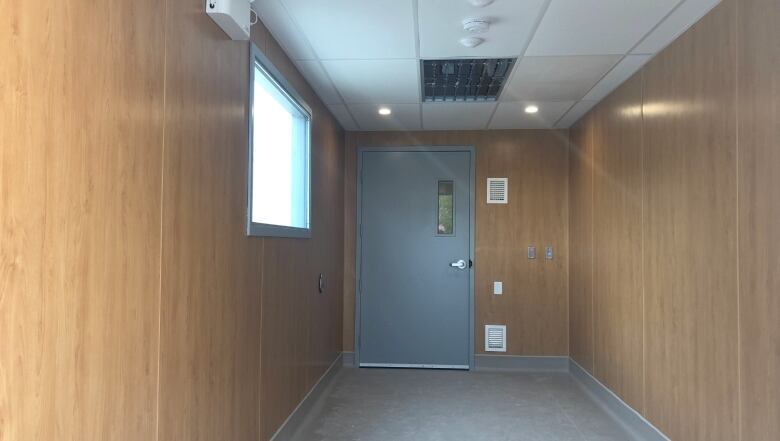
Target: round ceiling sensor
(471, 41)
(480, 3)
(476, 25)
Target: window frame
(258, 58)
(451, 182)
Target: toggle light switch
(532, 252)
(548, 253)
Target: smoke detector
(476, 25)
(480, 3)
(471, 41)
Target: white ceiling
(359, 55)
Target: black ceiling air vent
(472, 79)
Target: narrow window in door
(445, 210)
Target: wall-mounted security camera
(232, 16)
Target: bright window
(279, 193)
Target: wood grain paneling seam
(642, 247)
(592, 169)
(162, 225)
(737, 216)
(758, 90)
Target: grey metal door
(415, 287)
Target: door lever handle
(461, 264)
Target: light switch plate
(548, 253)
(532, 252)
(498, 288)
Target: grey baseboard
(298, 416)
(348, 359)
(484, 362)
(632, 421)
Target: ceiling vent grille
(495, 338)
(497, 189)
(470, 79)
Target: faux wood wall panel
(80, 153)
(245, 333)
(690, 231)
(581, 243)
(130, 297)
(211, 272)
(350, 241)
(534, 304)
(709, 141)
(301, 328)
(758, 34)
(617, 243)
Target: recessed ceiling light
(480, 3)
(384, 111)
(531, 109)
(471, 41)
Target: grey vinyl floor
(434, 405)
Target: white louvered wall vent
(497, 190)
(495, 338)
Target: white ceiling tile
(275, 18)
(404, 117)
(317, 78)
(585, 27)
(457, 116)
(341, 113)
(369, 54)
(512, 115)
(675, 24)
(556, 78)
(357, 29)
(441, 28)
(375, 81)
(620, 73)
(574, 114)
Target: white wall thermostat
(232, 16)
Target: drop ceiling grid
(286, 45)
(380, 20)
(681, 17)
(603, 27)
(511, 79)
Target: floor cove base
(509, 397)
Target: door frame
(359, 242)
